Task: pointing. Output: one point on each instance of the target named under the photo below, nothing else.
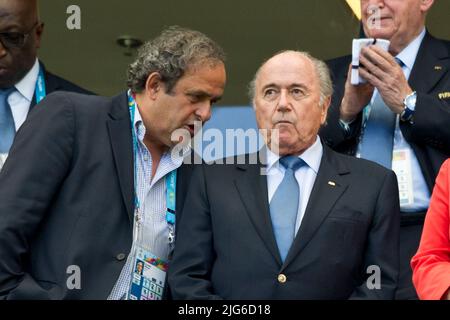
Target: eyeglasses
(15, 39)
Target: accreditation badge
(401, 165)
(148, 277)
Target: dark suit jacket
(429, 135)
(226, 247)
(66, 198)
(54, 83)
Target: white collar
(409, 54)
(312, 156)
(27, 86)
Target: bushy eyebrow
(202, 95)
(294, 85)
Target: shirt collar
(409, 54)
(139, 127)
(27, 85)
(312, 156)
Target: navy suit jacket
(226, 247)
(429, 134)
(67, 198)
(55, 83)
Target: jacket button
(282, 278)
(121, 256)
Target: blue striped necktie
(284, 205)
(7, 126)
(377, 142)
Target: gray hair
(322, 71)
(171, 54)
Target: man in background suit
(86, 174)
(409, 122)
(23, 80)
(312, 228)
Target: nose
(283, 102)
(204, 111)
(2, 49)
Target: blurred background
(249, 31)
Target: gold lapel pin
(332, 183)
(444, 95)
(437, 68)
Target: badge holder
(148, 274)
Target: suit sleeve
(381, 262)
(190, 270)
(431, 122)
(431, 264)
(333, 134)
(38, 162)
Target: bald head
(25, 9)
(321, 70)
(292, 93)
(20, 19)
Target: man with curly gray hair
(94, 207)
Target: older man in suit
(23, 79)
(91, 186)
(400, 117)
(315, 227)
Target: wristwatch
(410, 105)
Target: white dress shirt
(152, 198)
(421, 193)
(20, 100)
(306, 175)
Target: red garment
(431, 264)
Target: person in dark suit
(313, 227)
(24, 81)
(407, 127)
(87, 181)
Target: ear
(325, 106)
(425, 5)
(153, 85)
(38, 34)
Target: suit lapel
(252, 188)
(183, 178)
(430, 65)
(119, 127)
(327, 189)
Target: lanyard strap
(171, 182)
(40, 91)
(171, 178)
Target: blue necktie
(377, 141)
(7, 126)
(284, 205)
